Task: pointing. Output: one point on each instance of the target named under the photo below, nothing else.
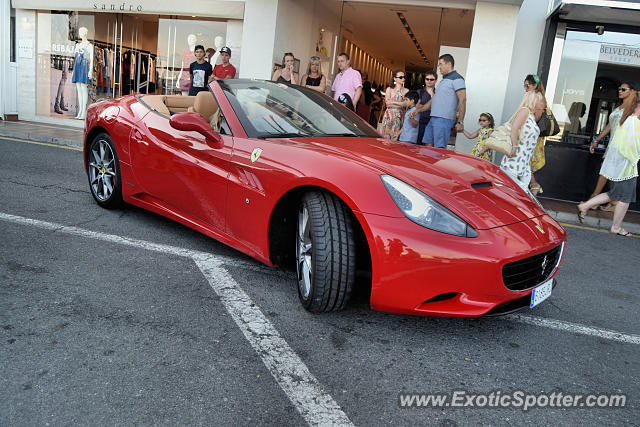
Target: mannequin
(219, 43)
(82, 71)
(188, 57)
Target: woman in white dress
(524, 137)
(620, 166)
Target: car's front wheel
(325, 252)
(104, 172)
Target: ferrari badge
(255, 155)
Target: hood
(474, 189)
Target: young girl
(486, 127)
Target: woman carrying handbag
(523, 135)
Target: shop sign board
(620, 54)
(25, 48)
(209, 8)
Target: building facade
(581, 49)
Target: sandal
(536, 189)
(610, 207)
(581, 216)
(622, 232)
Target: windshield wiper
(337, 134)
(281, 135)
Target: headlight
(425, 211)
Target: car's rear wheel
(104, 172)
(325, 252)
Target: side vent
(442, 297)
(481, 185)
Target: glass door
(177, 39)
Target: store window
(12, 35)
(591, 70)
(86, 57)
(176, 40)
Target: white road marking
(315, 405)
(574, 328)
(303, 389)
(292, 375)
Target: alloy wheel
(304, 252)
(102, 173)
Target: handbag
(548, 124)
(500, 139)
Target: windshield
(275, 110)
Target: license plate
(541, 293)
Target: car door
(180, 170)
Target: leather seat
(205, 105)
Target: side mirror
(191, 121)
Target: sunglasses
(483, 120)
(527, 85)
(400, 77)
(623, 89)
(430, 80)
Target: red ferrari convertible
(287, 175)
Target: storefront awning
(230, 9)
(599, 11)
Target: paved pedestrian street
(125, 317)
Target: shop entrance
(383, 37)
(126, 54)
(584, 93)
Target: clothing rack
(140, 64)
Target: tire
(325, 253)
(103, 169)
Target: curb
(603, 223)
(76, 143)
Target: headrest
(205, 104)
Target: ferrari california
(290, 177)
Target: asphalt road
(96, 330)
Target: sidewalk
(560, 210)
(567, 212)
(42, 132)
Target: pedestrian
(410, 125)
(486, 128)
(200, 72)
(363, 109)
(345, 100)
(347, 81)
(376, 106)
(424, 106)
(448, 105)
(314, 79)
(394, 97)
(224, 70)
(620, 166)
(524, 133)
(532, 83)
(625, 89)
(209, 53)
(286, 74)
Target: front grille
(529, 272)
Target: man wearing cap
(224, 70)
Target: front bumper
(423, 272)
